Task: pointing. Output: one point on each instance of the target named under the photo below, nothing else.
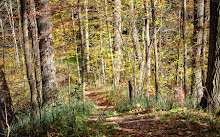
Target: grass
(60, 120)
(64, 119)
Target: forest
(109, 68)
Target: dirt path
(140, 123)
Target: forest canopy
(55, 52)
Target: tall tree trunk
(204, 41)
(5, 100)
(155, 48)
(216, 79)
(135, 45)
(194, 40)
(135, 32)
(211, 96)
(117, 39)
(36, 52)
(110, 42)
(147, 39)
(198, 72)
(185, 46)
(74, 35)
(101, 47)
(48, 68)
(179, 47)
(21, 40)
(27, 54)
(87, 39)
(82, 48)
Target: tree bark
(155, 48)
(76, 48)
(82, 48)
(204, 43)
(101, 47)
(194, 40)
(216, 79)
(185, 46)
(147, 39)
(27, 54)
(117, 40)
(211, 94)
(110, 42)
(87, 39)
(135, 32)
(48, 69)
(37, 66)
(198, 48)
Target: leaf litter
(142, 122)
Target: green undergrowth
(62, 119)
(171, 112)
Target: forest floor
(145, 122)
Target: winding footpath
(139, 123)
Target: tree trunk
(147, 40)
(82, 49)
(21, 40)
(117, 40)
(185, 46)
(27, 54)
(110, 42)
(194, 40)
(135, 32)
(211, 94)
(87, 39)
(5, 99)
(48, 68)
(204, 37)
(101, 46)
(216, 79)
(36, 52)
(74, 35)
(155, 48)
(198, 70)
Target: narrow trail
(139, 124)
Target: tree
(35, 45)
(82, 48)
(155, 48)
(211, 95)
(185, 45)
(110, 41)
(27, 54)
(48, 69)
(87, 39)
(117, 39)
(147, 41)
(199, 25)
(135, 45)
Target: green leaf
(173, 110)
